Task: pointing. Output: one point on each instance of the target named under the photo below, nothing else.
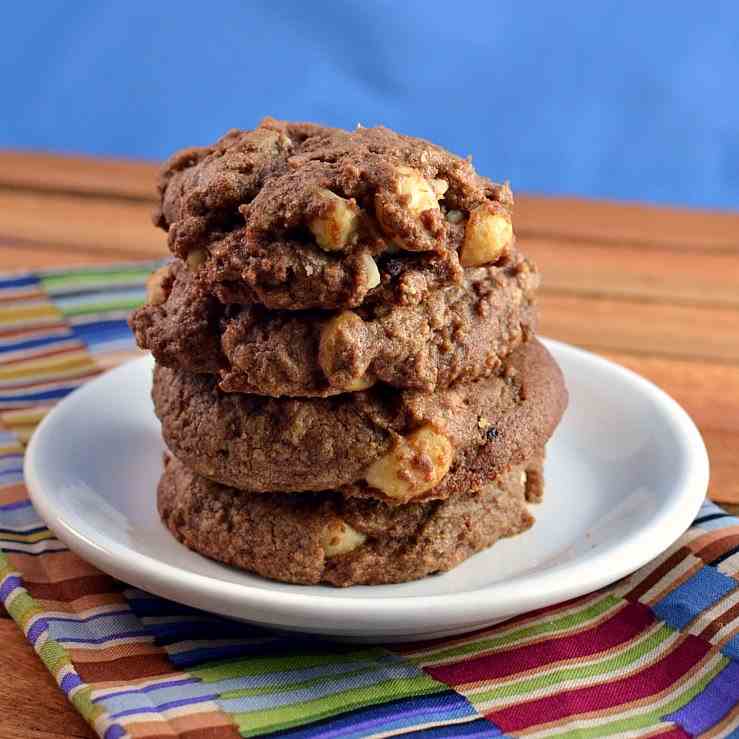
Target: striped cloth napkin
(654, 655)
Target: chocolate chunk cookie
(321, 537)
(396, 446)
(457, 333)
(298, 216)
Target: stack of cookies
(346, 370)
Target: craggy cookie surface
(458, 333)
(322, 537)
(297, 216)
(383, 443)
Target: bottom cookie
(312, 538)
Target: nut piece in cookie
(340, 351)
(370, 271)
(415, 464)
(336, 223)
(338, 537)
(418, 198)
(156, 290)
(487, 236)
(417, 192)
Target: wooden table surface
(655, 289)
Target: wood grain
(31, 704)
(92, 176)
(641, 327)
(655, 289)
(627, 223)
(119, 228)
(722, 451)
(19, 256)
(688, 277)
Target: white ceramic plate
(625, 475)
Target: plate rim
(521, 593)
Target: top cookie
(296, 216)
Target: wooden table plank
(31, 704)
(568, 218)
(722, 451)
(120, 228)
(94, 176)
(19, 256)
(627, 223)
(642, 328)
(654, 275)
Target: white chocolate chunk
(338, 537)
(455, 216)
(487, 235)
(417, 463)
(338, 223)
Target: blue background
(626, 100)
